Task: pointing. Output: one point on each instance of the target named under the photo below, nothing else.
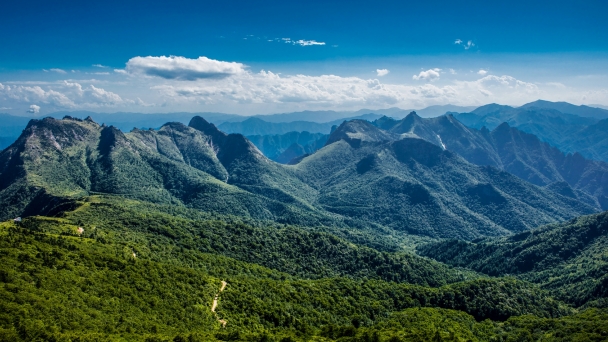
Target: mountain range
(512, 150)
(570, 128)
(385, 179)
(189, 233)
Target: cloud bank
(202, 84)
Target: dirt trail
(214, 305)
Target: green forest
(136, 272)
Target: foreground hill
(568, 258)
(134, 272)
(364, 179)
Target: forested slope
(570, 258)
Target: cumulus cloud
(482, 72)
(428, 75)
(382, 72)
(458, 41)
(182, 68)
(34, 109)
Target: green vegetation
(570, 259)
(131, 237)
(148, 275)
(407, 185)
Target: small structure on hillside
(80, 230)
(18, 219)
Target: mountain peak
(357, 131)
(207, 128)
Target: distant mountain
(273, 146)
(318, 116)
(598, 106)
(551, 256)
(568, 132)
(591, 141)
(568, 108)
(428, 112)
(512, 150)
(434, 111)
(364, 178)
(257, 126)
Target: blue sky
(434, 52)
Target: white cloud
(382, 72)
(34, 109)
(183, 69)
(482, 72)
(469, 44)
(100, 66)
(60, 71)
(301, 42)
(452, 71)
(429, 75)
(308, 42)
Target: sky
(259, 57)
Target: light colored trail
(214, 305)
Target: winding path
(214, 305)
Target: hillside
(131, 276)
(414, 186)
(55, 159)
(569, 258)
